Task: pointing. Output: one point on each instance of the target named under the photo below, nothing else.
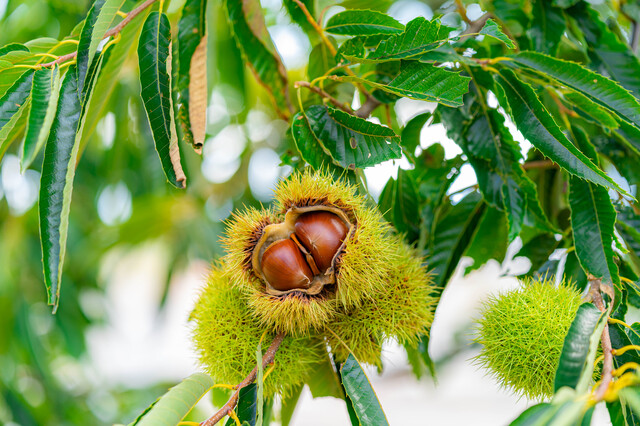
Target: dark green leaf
(535, 414)
(424, 82)
(362, 23)
(310, 148)
(547, 26)
(46, 88)
(607, 52)
(619, 339)
(247, 408)
(154, 52)
(538, 250)
(492, 29)
(599, 89)
(490, 240)
(173, 406)
(113, 60)
(410, 135)
(58, 170)
(320, 60)
(535, 123)
(598, 114)
(399, 204)
(192, 72)
(297, 14)
(592, 219)
(454, 231)
(352, 142)
(359, 390)
(250, 32)
(11, 102)
(324, 380)
(419, 37)
(579, 351)
(98, 20)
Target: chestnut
(284, 267)
(321, 233)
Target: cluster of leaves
(561, 72)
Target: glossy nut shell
(284, 267)
(321, 233)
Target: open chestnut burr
(300, 253)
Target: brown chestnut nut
(321, 233)
(284, 266)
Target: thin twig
(607, 366)
(267, 359)
(367, 107)
(325, 95)
(112, 32)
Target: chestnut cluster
(292, 263)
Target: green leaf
(289, 403)
(410, 135)
(173, 406)
(98, 20)
(247, 407)
(538, 250)
(352, 141)
(399, 204)
(619, 339)
(547, 26)
(424, 82)
(592, 220)
(535, 123)
(260, 386)
(324, 379)
(631, 395)
(591, 111)
(320, 60)
(58, 170)
(419, 37)
(192, 72)
(599, 89)
(154, 54)
(298, 16)
(492, 29)
(113, 60)
(454, 231)
(12, 104)
(46, 88)
(362, 23)
(490, 240)
(607, 52)
(253, 40)
(535, 414)
(575, 368)
(11, 47)
(310, 148)
(361, 393)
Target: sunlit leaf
(173, 406)
(492, 29)
(12, 47)
(12, 103)
(424, 82)
(154, 54)
(362, 23)
(46, 88)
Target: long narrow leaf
(14, 98)
(192, 72)
(535, 123)
(58, 169)
(46, 88)
(98, 20)
(173, 406)
(154, 54)
(592, 220)
(359, 390)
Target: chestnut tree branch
(367, 107)
(607, 366)
(325, 95)
(539, 164)
(111, 32)
(267, 359)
